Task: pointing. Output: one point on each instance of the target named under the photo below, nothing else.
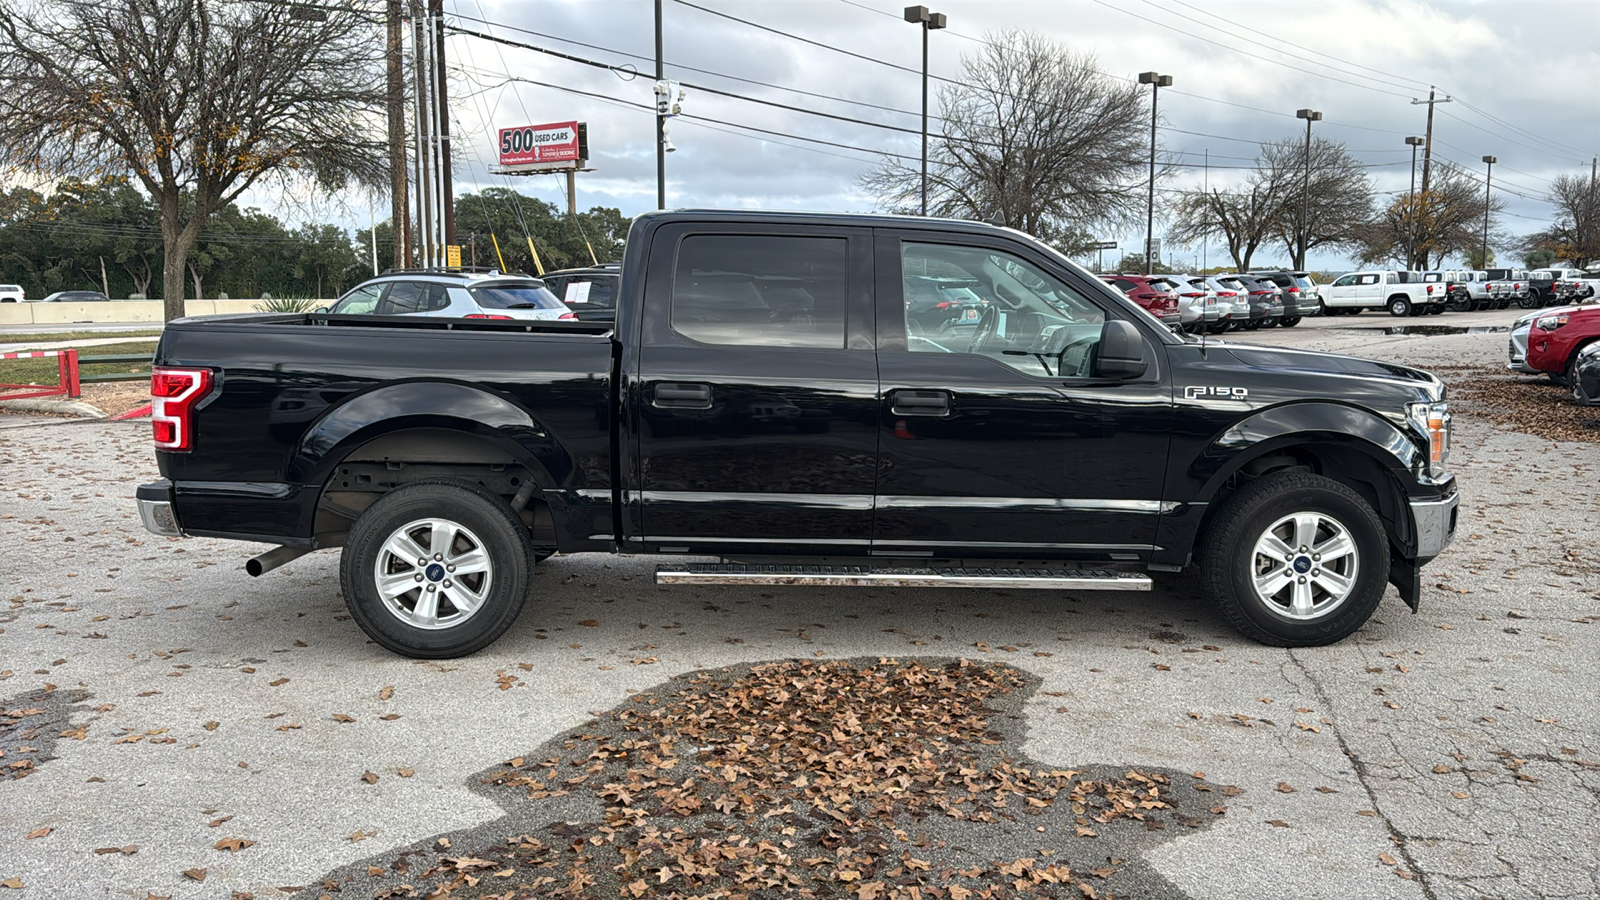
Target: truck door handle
(919, 403)
(682, 396)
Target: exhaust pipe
(272, 559)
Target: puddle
(1436, 330)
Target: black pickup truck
(766, 398)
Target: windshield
(517, 295)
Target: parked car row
(1219, 303)
(1563, 344)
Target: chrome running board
(864, 576)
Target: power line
(1292, 44)
(1196, 37)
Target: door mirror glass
(1121, 351)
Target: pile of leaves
(1522, 404)
(883, 780)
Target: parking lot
(172, 727)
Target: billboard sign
(549, 143)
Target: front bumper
(155, 508)
(1435, 524)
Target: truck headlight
(1432, 421)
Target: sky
(1523, 77)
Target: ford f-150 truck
(765, 398)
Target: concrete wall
(115, 311)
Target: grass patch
(29, 340)
(47, 370)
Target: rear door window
(406, 297)
(761, 290)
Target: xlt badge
(1195, 392)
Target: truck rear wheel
(1399, 306)
(1295, 560)
(436, 569)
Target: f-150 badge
(1195, 392)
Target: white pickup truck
(1399, 294)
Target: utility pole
(1205, 192)
(1427, 147)
(661, 123)
(419, 54)
(1411, 205)
(446, 192)
(395, 99)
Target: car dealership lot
(1453, 753)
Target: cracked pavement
(1449, 754)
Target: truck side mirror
(1121, 351)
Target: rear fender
(429, 404)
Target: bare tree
(1242, 215)
(1037, 137)
(201, 99)
(1267, 207)
(1575, 234)
(1422, 231)
(1338, 203)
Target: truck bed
(294, 395)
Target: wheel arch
(1351, 445)
(429, 414)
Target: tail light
(483, 316)
(1294, 290)
(570, 315)
(174, 393)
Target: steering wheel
(988, 327)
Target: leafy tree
(511, 218)
(1042, 140)
(1421, 232)
(1539, 258)
(198, 98)
(1575, 234)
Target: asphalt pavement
(184, 730)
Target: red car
(1555, 339)
(1158, 294)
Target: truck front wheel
(436, 569)
(1295, 560)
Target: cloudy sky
(1523, 75)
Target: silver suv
(451, 293)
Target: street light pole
(661, 122)
(1411, 205)
(1487, 175)
(930, 21)
(1156, 81)
(1301, 235)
